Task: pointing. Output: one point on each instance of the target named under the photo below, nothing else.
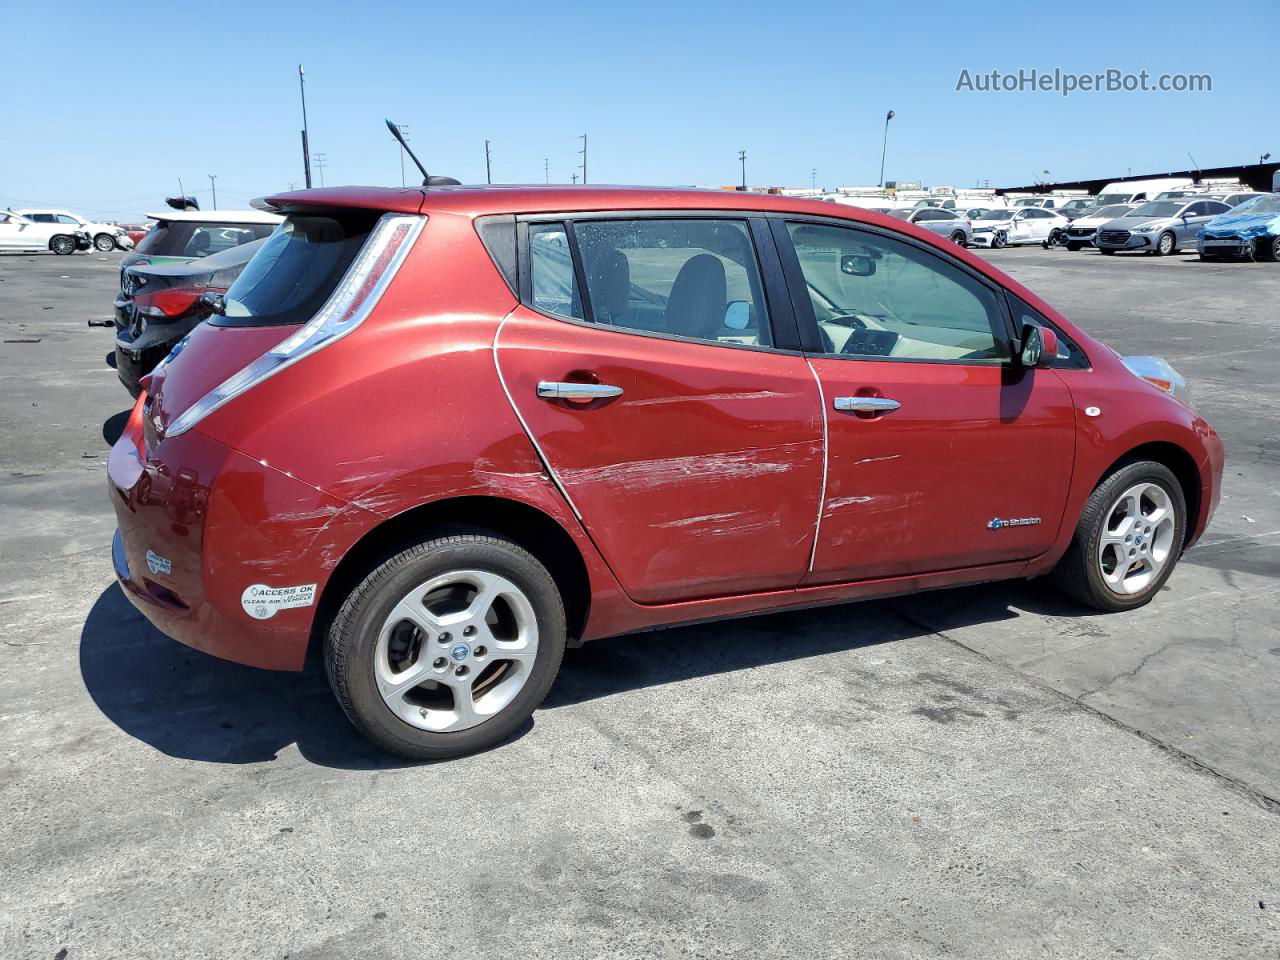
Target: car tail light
(351, 302)
(173, 302)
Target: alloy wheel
(104, 243)
(63, 245)
(456, 650)
(1137, 538)
(1166, 244)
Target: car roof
(485, 200)
(217, 216)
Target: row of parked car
(61, 231)
(1216, 224)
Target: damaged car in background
(1251, 229)
(442, 434)
(159, 304)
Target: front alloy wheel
(1128, 540)
(1164, 246)
(447, 647)
(999, 239)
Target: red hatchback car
(446, 432)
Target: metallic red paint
(699, 487)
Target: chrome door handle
(866, 404)
(551, 390)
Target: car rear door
(942, 453)
(665, 393)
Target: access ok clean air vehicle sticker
(261, 602)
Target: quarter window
(874, 296)
(551, 271)
(693, 278)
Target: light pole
(885, 146)
(488, 174)
(742, 158)
(546, 169)
(214, 187)
(306, 142)
(404, 132)
(583, 151)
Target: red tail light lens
(170, 303)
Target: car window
(687, 278)
(41, 218)
(874, 296)
(1214, 206)
(63, 218)
(551, 270)
(188, 238)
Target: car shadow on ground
(113, 426)
(190, 705)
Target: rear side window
(551, 270)
(296, 270)
(695, 278)
(186, 238)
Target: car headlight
(1157, 372)
(1143, 229)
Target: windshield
(1158, 208)
(293, 274)
(1104, 199)
(1266, 203)
(194, 238)
(995, 215)
(1117, 210)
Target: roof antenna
(427, 179)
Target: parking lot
(987, 772)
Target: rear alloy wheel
(1164, 246)
(448, 647)
(958, 238)
(1128, 540)
(63, 245)
(104, 243)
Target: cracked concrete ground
(985, 772)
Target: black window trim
(783, 325)
(807, 320)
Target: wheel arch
(527, 526)
(1180, 463)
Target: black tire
(1080, 576)
(958, 239)
(104, 243)
(999, 239)
(63, 245)
(1206, 258)
(1106, 252)
(1269, 249)
(351, 642)
(1073, 246)
(1166, 244)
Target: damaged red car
(444, 433)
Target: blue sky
(117, 102)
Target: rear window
(187, 238)
(290, 278)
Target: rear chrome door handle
(865, 404)
(553, 390)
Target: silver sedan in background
(1158, 226)
(946, 223)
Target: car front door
(1022, 227)
(684, 429)
(942, 451)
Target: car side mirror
(1039, 346)
(856, 266)
(737, 315)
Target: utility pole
(488, 172)
(546, 169)
(813, 178)
(742, 158)
(404, 132)
(213, 186)
(574, 177)
(320, 162)
(583, 151)
(885, 146)
(306, 142)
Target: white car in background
(19, 233)
(1001, 228)
(105, 236)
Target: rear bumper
(209, 542)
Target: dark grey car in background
(946, 223)
(1158, 226)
